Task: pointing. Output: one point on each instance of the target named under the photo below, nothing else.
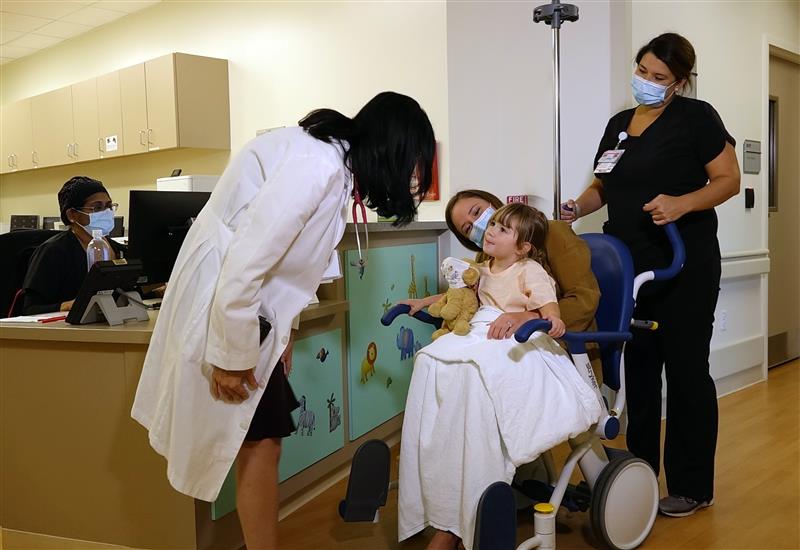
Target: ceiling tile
(62, 29)
(125, 6)
(8, 50)
(37, 41)
(93, 16)
(19, 22)
(8, 36)
(43, 9)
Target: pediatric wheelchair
(620, 491)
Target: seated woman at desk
(58, 266)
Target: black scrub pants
(684, 308)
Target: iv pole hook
(554, 14)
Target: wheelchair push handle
(678, 254)
(403, 309)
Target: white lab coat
(259, 247)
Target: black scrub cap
(74, 193)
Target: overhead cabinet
(177, 100)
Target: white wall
(285, 58)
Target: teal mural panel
(226, 501)
(380, 359)
(316, 380)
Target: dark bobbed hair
(389, 138)
(530, 225)
(448, 214)
(674, 51)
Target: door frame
(770, 45)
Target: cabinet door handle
(75, 150)
(100, 142)
(8, 161)
(141, 137)
(34, 157)
(69, 150)
(149, 133)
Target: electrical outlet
(723, 320)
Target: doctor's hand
(569, 211)
(231, 385)
(665, 209)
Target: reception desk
(76, 466)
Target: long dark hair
(388, 139)
(674, 51)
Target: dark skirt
(273, 416)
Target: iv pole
(554, 14)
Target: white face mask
(453, 272)
(103, 221)
(479, 226)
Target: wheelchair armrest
(576, 341)
(403, 309)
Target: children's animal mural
(334, 416)
(368, 364)
(306, 421)
(405, 343)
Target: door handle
(141, 137)
(149, 133)
(69, 150)
(34, 157)
(75, 149)
(100, 142)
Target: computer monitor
(49, 222)
(119, 227)
(157, 224)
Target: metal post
(554, 14)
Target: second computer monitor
(157, 224)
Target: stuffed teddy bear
(460, 302)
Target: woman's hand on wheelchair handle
(417, 304)
(508, 323)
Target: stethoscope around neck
(358, 205)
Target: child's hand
(558, 329)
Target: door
(84, 114)
(134, 109)
(16, 147)
(53, 133)
(784, 211)
(161, 111)
(109, 116)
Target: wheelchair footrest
(368, 484)
(496, 522)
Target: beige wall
(285, 58)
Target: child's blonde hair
(530, 225)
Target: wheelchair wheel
(624, 503)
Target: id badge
(608, 161)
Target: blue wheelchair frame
(495, 526)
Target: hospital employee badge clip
(610, 158)
(358, 204)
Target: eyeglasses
(97, 207)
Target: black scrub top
(55, 273)
(668, 158)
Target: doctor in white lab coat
(260, 247)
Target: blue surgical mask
(104, 221)
(648, 93)
(479, 226)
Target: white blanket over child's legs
(476, 410)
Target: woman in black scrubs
(679, 162)
(58, 267)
